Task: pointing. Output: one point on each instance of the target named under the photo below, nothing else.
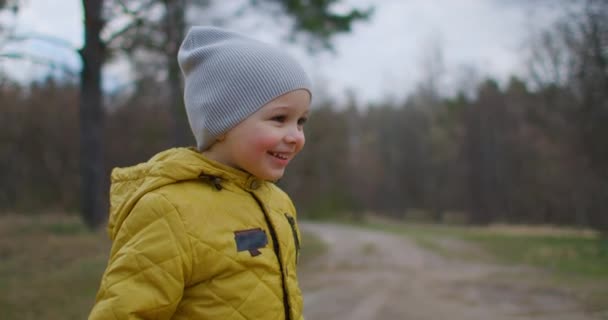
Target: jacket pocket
(294, 231)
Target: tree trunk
(91, 117)
(174, 30)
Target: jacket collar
(217, 173)
(168, 167)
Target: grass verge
(573, 259)
(50, 266)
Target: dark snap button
(254, 184)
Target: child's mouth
(278, 155)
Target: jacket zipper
(296, 240)
(277, 252)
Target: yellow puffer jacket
(194, 239)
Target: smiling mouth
(278, 155)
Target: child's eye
(280, 119)
(302, 121)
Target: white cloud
(381, 57)
(61, 19)
(61, 27)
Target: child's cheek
(266, 141)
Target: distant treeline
(532, 151)
(507, 155)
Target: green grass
(585, 257)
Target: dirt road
(372, 275)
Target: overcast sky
(379, 59)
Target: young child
(204, 233)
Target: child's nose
(294, 136)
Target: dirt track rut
(373, 275)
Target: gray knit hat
(228, 77)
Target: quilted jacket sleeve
(149, 264)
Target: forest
(532, 150)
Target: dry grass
(51, 266)
(541, 231)
(572, 258)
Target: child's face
(265, 142)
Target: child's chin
(272, 176)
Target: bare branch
(133, 13)
(125, 9)
(133, 25)
(138, 20)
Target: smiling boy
(204, 233)
(264, 143)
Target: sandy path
(373, 275)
